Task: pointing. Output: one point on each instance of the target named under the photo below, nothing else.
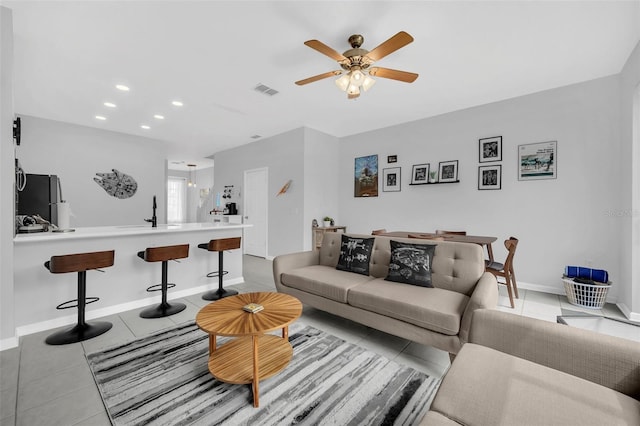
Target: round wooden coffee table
(232, 362)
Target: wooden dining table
(474, 239)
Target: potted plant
(327, 221)
(433, 176)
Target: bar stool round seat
(80, 263)
(163, 254)
(220, 245)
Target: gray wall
(564, 221)
(629, 213)
(283, 155)
(76, 153)
(7, 181)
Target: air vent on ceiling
(265, 89)
(256, 137)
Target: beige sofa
(438, 316)
(524, 371)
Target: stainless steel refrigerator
(39, 196)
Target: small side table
(319, 231)
(254, 355)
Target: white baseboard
(270, 257)
(112, 310)
(11, 342)
(633, 316)
(553, 290)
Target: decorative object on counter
(314, 223)
(117, 184)
(163, 254)
(420, 174)
(392, 159)
(391, 179)
(191, 183)
(284, 188)
(154, 218)
(80, 263)
(366, 176)
(433, 177)
(490, 149)
(448, 171)
(537, 161)
(220, 245)
(327, 221)
(490, 177)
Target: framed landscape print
(491, 149)
(538, 161)
(490, 177)
(448, 171)
(391, 179)
(420, 174)
(366, 176)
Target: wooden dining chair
(442, 232)
(505, 270)
(426, 237)
(378, 231)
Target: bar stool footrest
(216, 274)
(158, 287)
(79, 333)
(65, 305)
(163, 310)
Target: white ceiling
(211, 54)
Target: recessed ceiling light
(177, 103)
(109, 104)
(101, 117)
(122, 87)
(159, 117)
(144, 126)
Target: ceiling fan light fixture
(368, 83)
(356, 76)
(343, 81)
(353, 90)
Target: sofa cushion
(431, 308)
(411, 263)
(323, 281)
(487, 387)
(355, 254)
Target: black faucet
(154, 219)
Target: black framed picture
(391, 179)
(490, 177)
(392, 159)
(491, 149)
(448, 171)
(420, 174)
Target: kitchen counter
(123, 286)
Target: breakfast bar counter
(123, 286)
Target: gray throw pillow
(411, 263)
(355, 254)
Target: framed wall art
(391, 179)
(538, 161)
(420, 174)
(392, 159)
(366, 176)
(448, 171)
(491, 149)
(490, 177)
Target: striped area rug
(163, 379)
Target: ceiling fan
(356, 62)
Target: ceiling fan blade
(407, 77)
(318, 77)
(394, 43)
(326, 50)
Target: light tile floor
(52, 385)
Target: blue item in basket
(599, 275)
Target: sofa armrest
(288, 262)
(606, 360)
(484, 296)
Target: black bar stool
(220, 245)
(163, 254)
(80, 263)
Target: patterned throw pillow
(411, 263)
(355, 254)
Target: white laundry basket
(592, 296)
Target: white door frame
(266, 201)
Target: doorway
(256, 185)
